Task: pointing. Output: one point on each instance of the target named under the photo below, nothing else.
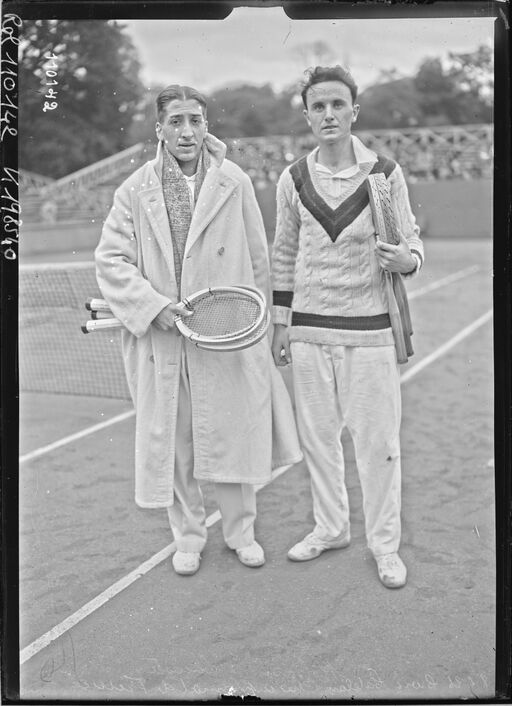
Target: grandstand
(426, 154)
(62, 215)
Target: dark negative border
(299, 9)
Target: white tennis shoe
(186, 563)
(392, 570)
(252, 556)
(312, 546)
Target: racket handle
(96, 305)
(101, 325)
(95, 315)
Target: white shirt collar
(362, 154)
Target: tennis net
(54, 355)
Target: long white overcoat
(243, 424)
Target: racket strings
(223, 316)
(244, 341)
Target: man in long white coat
(184, 221)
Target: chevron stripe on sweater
(334, 220)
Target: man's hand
(281, 345)
(395, 258)
(165, 319)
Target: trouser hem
(382, 551)
(187, 546)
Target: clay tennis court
(104, 616)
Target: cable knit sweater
(326, 278)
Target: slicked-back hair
(328, 73)
(177, 92)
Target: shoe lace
(389, 562)
(312, 540)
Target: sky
(260, 45)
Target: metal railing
(30, 182)
(98, 172)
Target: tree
(142, 128)
(457, 90)
(237, 110)
(474, 73)
(245, 111)
(95, 86)
(393, 104)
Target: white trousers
(187, 516)
(357, 388)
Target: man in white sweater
(332, 321)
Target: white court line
(116, 588)
(73, 437)
(43, 641)
(121, 417)
(460, 274)
(445, 347)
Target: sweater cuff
(281, 315)
(419, 262)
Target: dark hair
(328, 73)
(177, 92)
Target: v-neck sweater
(328, 285)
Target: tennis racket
(97, 305)
(222, 319)
(101, 325)
(385, 227)
(382, 209)
(95, 315)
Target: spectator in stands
(261, 157)
(49, 210)
(185, 221)
(332, 321)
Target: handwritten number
(50, 81)
(10, 224)
(11, 130)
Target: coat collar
(215, 147)
(216, 189)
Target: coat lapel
(216, 189)
(152, 201)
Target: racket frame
(233, 337)
(245, 342)
(385, 227)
